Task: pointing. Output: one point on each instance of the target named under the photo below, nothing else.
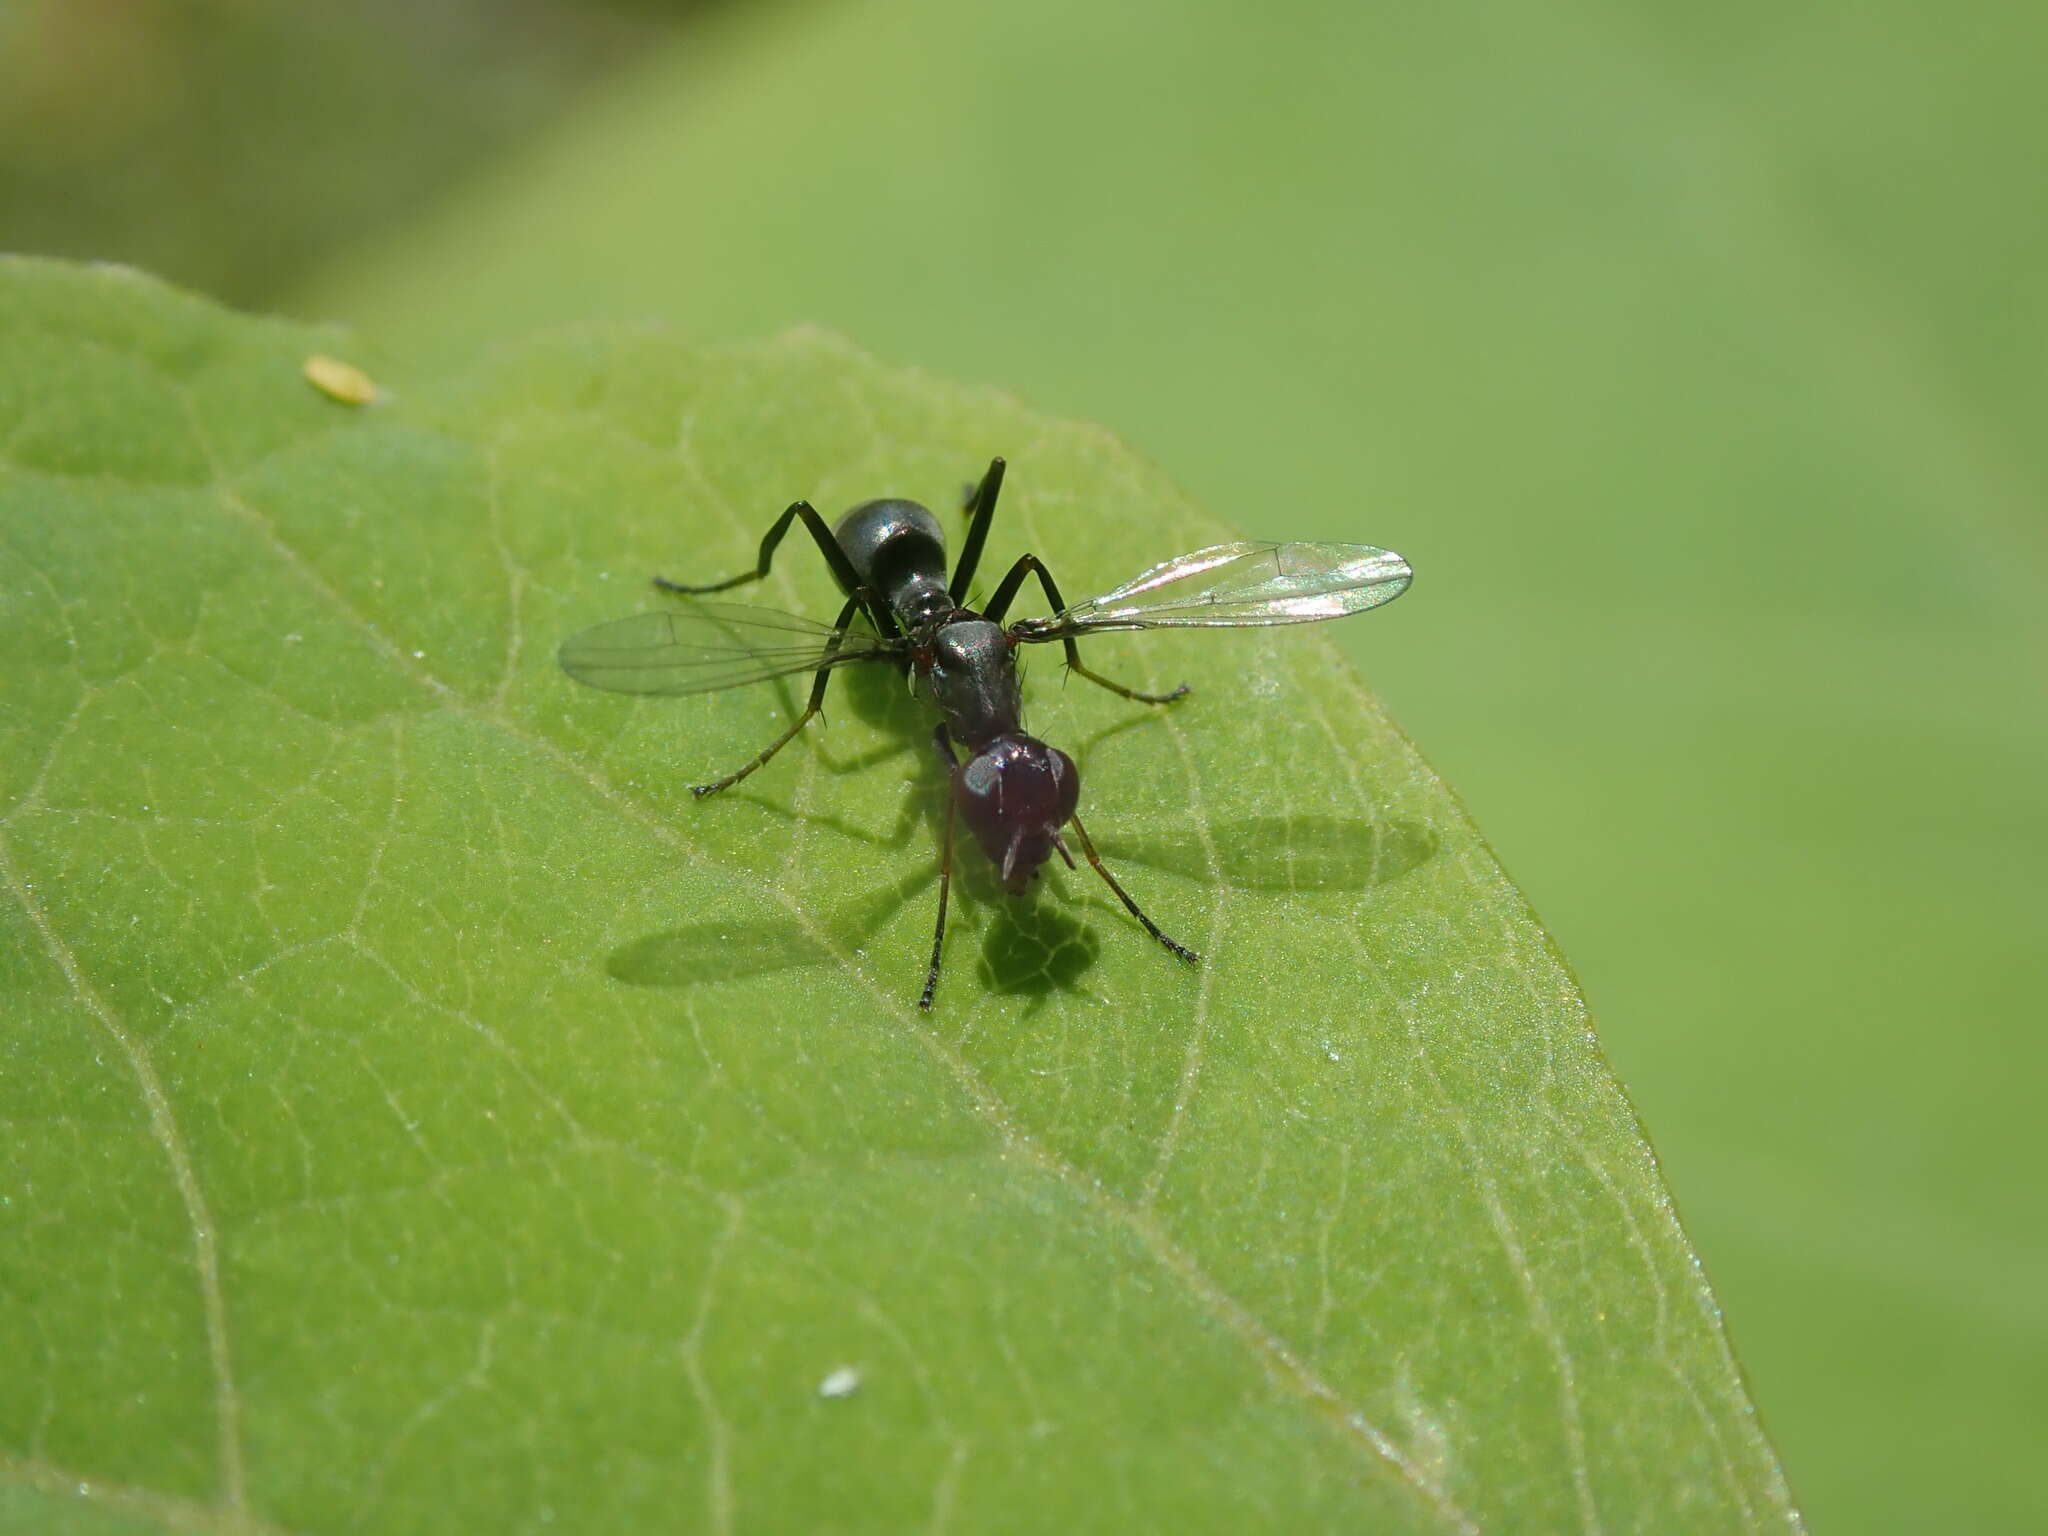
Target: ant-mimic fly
(1016, 793)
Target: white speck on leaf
(843, 1382)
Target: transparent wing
(1238, 584)
(705, 647)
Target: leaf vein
(163, 1125)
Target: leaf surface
(426, 1115)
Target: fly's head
(1015, 794)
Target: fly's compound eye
(979, 784)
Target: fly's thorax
(967, 670)
(1015, 793)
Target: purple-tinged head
(1015, 794)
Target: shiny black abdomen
(899, 549)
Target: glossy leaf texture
(423, 1116)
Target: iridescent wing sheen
(1230, 585)
(708, 646)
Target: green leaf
(425, 1115)
(1718, 447)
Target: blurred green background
(1695, 355)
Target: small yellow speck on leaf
(340, 381)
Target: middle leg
(1031, 565)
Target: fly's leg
(823, 676)
(835, 557)
(931, 977)
(981, 511)
(1124, 896)
(1031, 565)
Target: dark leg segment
(931, 977)
(981, 509)
(1031, 565)
(1088, 850)
(835, 557)
(823, 676)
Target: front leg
(1124, 896)
(944, 743)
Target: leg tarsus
(1088, 851)
(663, 584)
(943, 742)
(1118, 688)
(931, 975)
(1031, 565)
(775, 746)
(816, 706)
